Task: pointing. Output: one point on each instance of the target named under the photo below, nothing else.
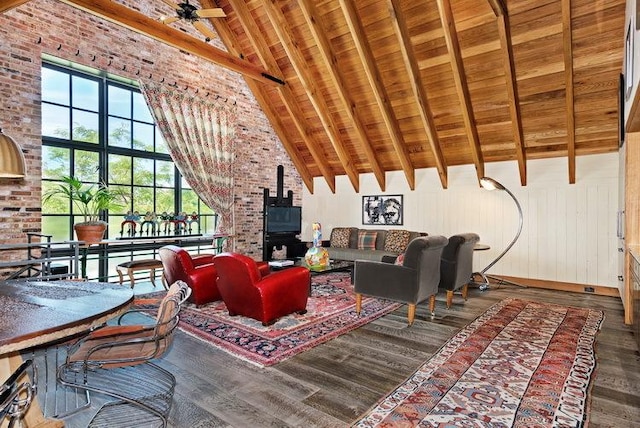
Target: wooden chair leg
(432, 305)
(358, 303)
(411, 313)
(152, 276)
(120, 274)
(449, 298)
(465, 291)
(131, 278)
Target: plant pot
(90, 233)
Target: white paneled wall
(569, 231)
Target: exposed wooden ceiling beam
(498, 7)
(264, 54)
(328, 58)
(418, 88)
(379, 91)
(286, 38)
(451, 38)
(512, 86)
(10, 4)
(136, 21)
(567, 44)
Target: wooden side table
(137, 265)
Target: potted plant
(90, 200)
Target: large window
(98, 128)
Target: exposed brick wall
(68, 33)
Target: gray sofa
(343, 243)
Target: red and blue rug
(520, 364)
(330, 313)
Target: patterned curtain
(199, 134)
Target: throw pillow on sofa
(367, 240)
(397, 240)
(340, 237)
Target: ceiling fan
(189, 12)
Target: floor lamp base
(502, 281)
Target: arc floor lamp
(491, 184)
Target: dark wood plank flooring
(332, 384)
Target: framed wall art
(382, 210)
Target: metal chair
(116, 360)
(17, 393)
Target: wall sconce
(12, 164)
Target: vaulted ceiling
(371, 86)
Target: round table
(34, 313)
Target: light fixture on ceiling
(12, 164)
(491, 184)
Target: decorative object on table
(329, 314)
(520, 363)
(91, 201)
(12, 163)
(317, 256)
(382, 209)
(279, 254)
(491, 184)
(131, 220)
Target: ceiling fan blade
(169, 19)
(172, 4)
(211, 13)
(206, 31)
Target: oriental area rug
(520, 364)
(330, 313)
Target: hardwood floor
(334, 383)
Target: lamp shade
(12, 164)
(490, 184)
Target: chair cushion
(397, 240)
(367, 239)
(340, 237)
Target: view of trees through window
(99, 129)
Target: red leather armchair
(247, 292)
(198, 272)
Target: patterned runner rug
(520, 364)
(330, 313)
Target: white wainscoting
(569, 231)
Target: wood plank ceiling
(372, 86)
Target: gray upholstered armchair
(412, 282)
(456, 267)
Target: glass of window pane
(55, 86)
(85, 126)
(119, 169)
(86, 166)
(119, 132)
(56, 226)
(165, 201)
(143, 136)
(142, 172)
(189, 201)
(55, 121)
(143, 199)
(57, 204)
(119, 100)
(84, 93)
(56, 162)
(165, 172)
(140, 110)
(161, 145)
